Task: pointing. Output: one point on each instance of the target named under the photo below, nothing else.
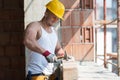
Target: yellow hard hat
(56, 7)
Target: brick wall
(77, 29)
(12, 54)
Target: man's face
(51, 19)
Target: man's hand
(50, 57)
(60, 53)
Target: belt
(38, 74)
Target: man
(41, 39)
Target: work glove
(50, 57)
(57, 64)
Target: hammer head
(65, 56)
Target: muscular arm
(30, 38)
(59, 51)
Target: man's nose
(56, 19)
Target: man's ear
(46, 14)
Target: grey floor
(92, 71)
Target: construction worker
(42, 41)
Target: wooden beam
(112, 55)
(118, 33)
(105, 55)
(106, 22)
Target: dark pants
(29, 76)
(56, 75)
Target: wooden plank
(91, 4)
(84, 34)
(92, 34)
(82, 4)
(118, 30)
(70, 70)
(87, 4)
(112, 55)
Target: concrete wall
(34, 10)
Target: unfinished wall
(12, 59)
(77, 29)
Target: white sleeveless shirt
(37, 63)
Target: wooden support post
(96, 45)
(118, 33)
(105, 55)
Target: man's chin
(51, 24)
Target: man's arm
(30, 38)
(30, 41)
(59, 51)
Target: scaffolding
(104, 23)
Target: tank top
(37, 63)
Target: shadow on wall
(77, 30)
